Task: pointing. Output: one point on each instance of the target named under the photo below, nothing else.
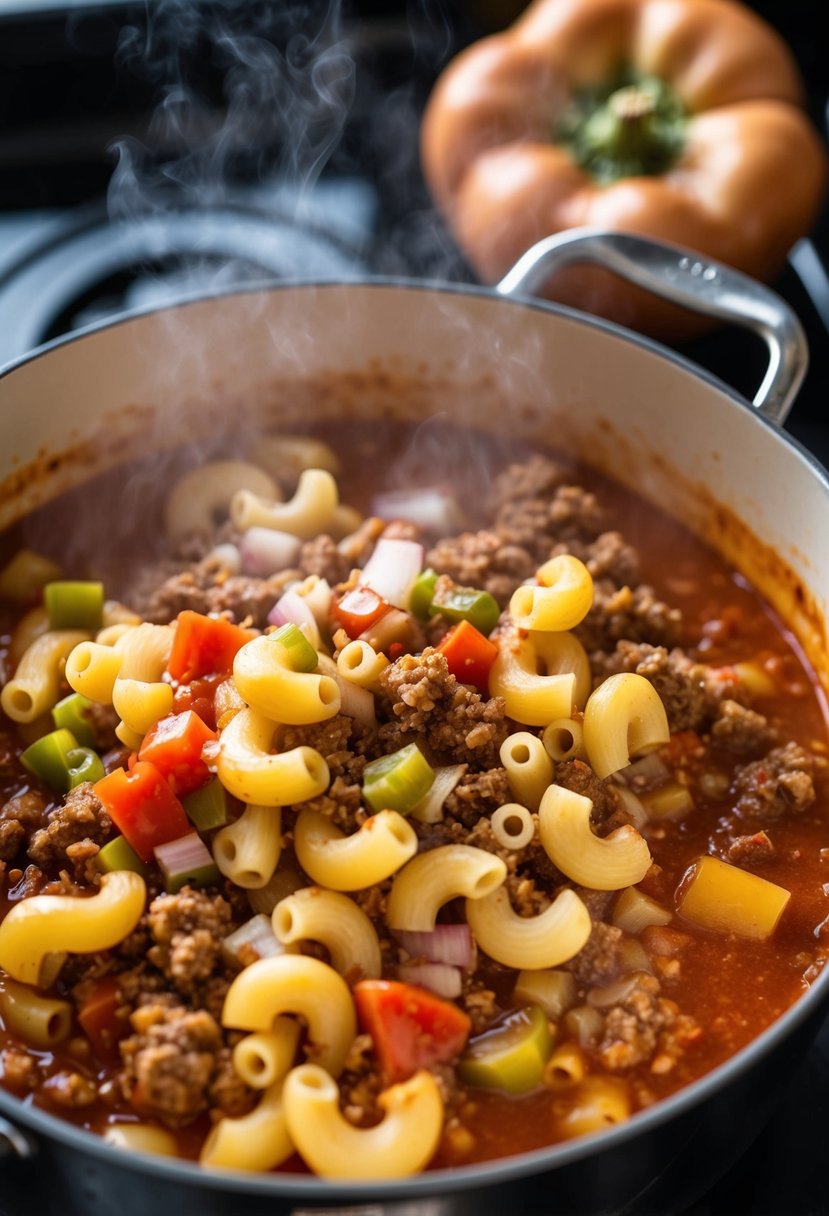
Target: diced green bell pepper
(48, 758)
(72, 714)
(207, 807)
(467, 604)
(397, 782)
(301, 654)
(74, 605)
(510, 1057)
(117, 854)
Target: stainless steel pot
(676, 435)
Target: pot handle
(689, 279)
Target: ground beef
(18, 1070)
(207, 587)
(539, 524)
(536, 477)
(632, 1028)
(579, 777)
(425, 699)
(187, 930)
(630, 613)
(679, 681)
(336, 739)
(477, 794)
(103, 719)
(750, 850)
(780, 784)
(69, 1090)
(342, 802)
(21, 816)
(599, 960)
(322, 557)
(227, 1090)
(482, 559)
(170, 1062)
(742, 730)
(81, 818)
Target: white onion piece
(265, 551)
(292, 608)
(634, 807)
(228, 556)
(439, 978)
(393, 626)
(433, 508)
(392, 568)
(450, 944)
(646, 773)
(355, 702)
(430, 807)
(254, 939)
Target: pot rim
(309, 1188)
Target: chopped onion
(444, 944)
(611, 994)
(439, 978)
(316, 592)
(355, 702)
(634, 807)
(430, 807)
(227, 556)
(255, 939)
(186, 859)
(433, 508)
(264, 551)
(645, 773)
(392, 568)
(293, 608)
(393, 626)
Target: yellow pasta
(379, 847)
(727, 899)
(563, 739)
(140, 703)
(599, 1103)
(36, 684)
(92, 669)
(38, 1020)
(565, 1067)
(247, 851)
(294, 983)
(541, 677)
(360, 663)
(623, 718)
(309, 512)
(431, 879)
(528, 766)
(44, 923)
(254, 1142)
(512, 825)
(263, 674)
(200, 495)
(248, 770)
(561, 601)
(633, 911)
(336, 922)
(400, 1145)
(30, 626)
(141, 1138)
(264, 1057)
(603, 864)
(286, 456)
(529, 943)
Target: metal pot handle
(691, 280)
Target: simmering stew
(366, 809)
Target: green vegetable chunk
(207, 807)
(72, 713)
(420, 596)
(397, 782)
(117, 854)
(301, 654)
(48, 758)
(74, 605)
(467, 604)
(510, 1057)
(84, 765)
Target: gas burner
(86, 267)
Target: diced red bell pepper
(143, 807)
(469, 655)
(410, 1027)
(174, 745)
(358, 610)
(204, 645)
(98, 1017)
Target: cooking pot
(511, 366)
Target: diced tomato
(200, 696)
(410, 1027)
(204, 645)
(469, 655)
(98, 1017)
(174, 745)
(358, 610)
(143, 807)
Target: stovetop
(86, 230)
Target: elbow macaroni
(529, 767)
(601, 863)
(336, 922)
(247, 851)
(379, 847)
(199, 495)
(264, 677)
(562, 600)
(40, 1021)
(44, 923)
(248, 770)
(311, 510)
(529, 943)
(264, 1057)
(536, 699)
(254, 1142)
(36, 683)
(431, 879)
(402, 1144)
(624, 717)
(360, 663)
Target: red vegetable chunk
(174, 746)
(469, 655)
(358, 610)
(204, 645)
(143, 807)
(411, 1027)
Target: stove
(156, 148)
